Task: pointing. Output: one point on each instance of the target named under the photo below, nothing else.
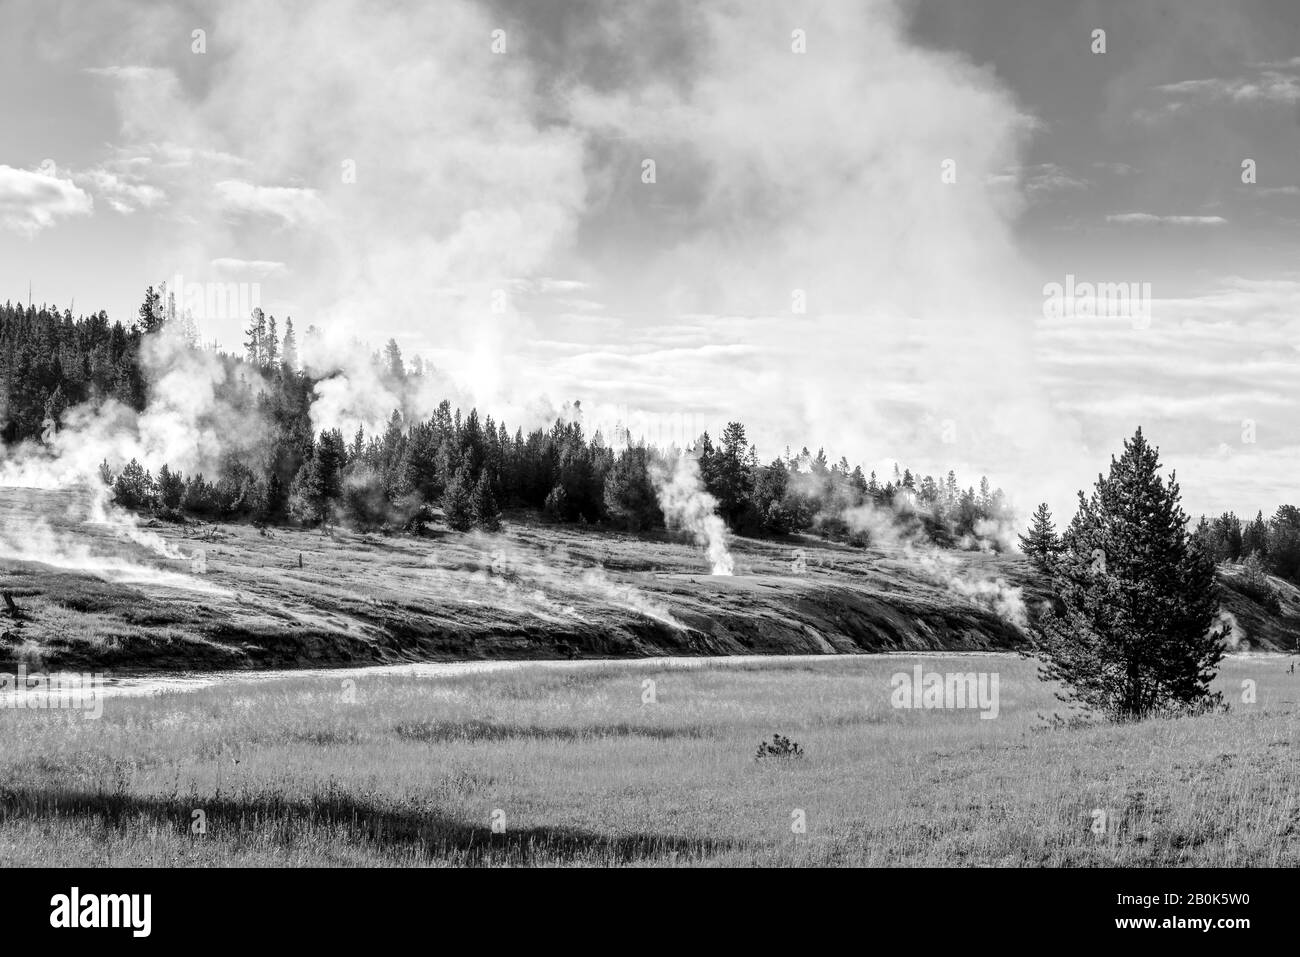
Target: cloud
(1208, 364)
(1037, 182)
(1149, 219)
(1051, 178)
(1270, 86)
(124, 194)
(31, 201)
(294, 205)
(1291, 64)
(261, 268)
(135, 73)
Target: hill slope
(106, 595)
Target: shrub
(779, 747)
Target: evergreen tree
(319, 482)
(256, 332)
(1254, 537)
(728, 477)
(1225, 538)
(149, 317)
(134, 486)
(171, 488)
(270, 346)
(629, 494)
(393, 361)
(331, 454)
(483, 505)
(289, 350)
(1134, 631)
(1042, 543)
(55, 406)
(457, 508)
(1284, 543)
(768, 497)
(277, 499)
(420, 465)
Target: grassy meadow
(574, 764)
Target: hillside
(101, 594)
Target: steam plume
(884, 530)
(686, 505)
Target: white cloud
(1270, 86)
(294, 205)
(1052, 178)
(243, 268)
(31, 201)
(123, 193)
(1149, 219)
(132, 73)
(1205, 365)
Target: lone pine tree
(1134, 630)
(1041, 543)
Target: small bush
(779, 747)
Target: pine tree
(629, 494)
(1284, 543)
(189, 329)
(1042, 543)
(271, 346)
(1254, 538)
(256, 332)
(277, 499)
(1134, 633)
(150, 315)
(393, 360)
(728, 478)
(134, 486)
(457, 509)
(289, 350)
(483, 505)
(171, 488)
(319, 483)
(55, 406)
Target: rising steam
(185, 426)
(883, 528)
(687, 506)
(548, 586)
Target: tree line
(465, 465)
(1261, 547)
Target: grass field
(580, 770)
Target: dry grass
(289, 773)
(534, 591)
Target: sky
(979, 236)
